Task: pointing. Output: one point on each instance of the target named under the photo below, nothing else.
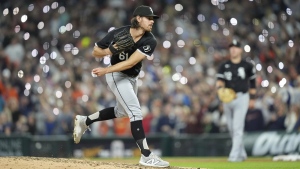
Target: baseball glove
(122, 41)
(226, 95)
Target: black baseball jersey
(236, 76)
(145, 45)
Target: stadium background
(46, 62)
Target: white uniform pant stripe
(125, 90)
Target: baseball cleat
(79, 128)
(153, 161)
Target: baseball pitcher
(236, 85)
(127, 46)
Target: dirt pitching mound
(64, 163)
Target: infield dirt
(64, 163)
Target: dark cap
(144, 11)
(235, 43)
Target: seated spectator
(254, 120)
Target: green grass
(219, 163)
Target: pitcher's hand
(99, 71)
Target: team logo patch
(146, 48)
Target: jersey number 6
(123, 56)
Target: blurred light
(69, 27)
(30, 7)
(5, 11)
(166, 69)
(233, 21)
(180, 43)
(258, 67)
(16, 11)
(166, 44)
(164, 17)
(56, 111)
(289, 11)
(261, 38)
(221, 21)
(211, 50)
(68, 47)
(53, 55)
(106, 60)
(68, 84)
(197, 43)
(270, 69)
(36, 78)
(34, 53)
(20, 73)
(54, 5)
(156, 61)
(272, 39)
(221, 6)
(17, 28)
(46, 55)
(85, 98)
(291, 43)
(247, 48)
(43, 60)
(192, 60)
(215, 2)
(226, 32)
(214, 26)
(26, 36)
(183, 80)
(280, 65)
(61, 60)
(46, 69)
(265, 33)
(201, 18)
(40, 25)
(179, 30)
(46, 45)
(62, 29)
(283, 16)
(54, 42)
(6, 73)
(176, 76)
(46, 9)
(27, 86)
(40, 90)
(282, 82)
(26, 92)
(178, 7)
(273, 89)
(58, 94)
(142, 74)
(139, 83)
(264, 83)
(179, 68)
(24, 18)
(255, 22)
(75, 51)
(76, 34)
(61, 9)
(271, 25)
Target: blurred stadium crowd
(46, 63)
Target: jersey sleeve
(251, 72)
(220, 74)
(147, 48)
(105, 42)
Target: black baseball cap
(144, 11)
(235, 43)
